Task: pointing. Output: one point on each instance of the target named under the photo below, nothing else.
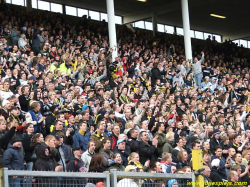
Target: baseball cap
(120, 141)
(215, 162)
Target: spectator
(148, 150)
(88, 154)
(13, 159)
(166, 161)
(134, 159)
(98, 136)
(106, 153)
(82, 137)
(120, 148)
(96, 164)
(116, 163)
(197, 69)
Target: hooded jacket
(43, 162)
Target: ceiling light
(218, 16)
(144, 1)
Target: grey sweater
(197, 66)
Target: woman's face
(188, 170)
(2, 126)
(118, 159)
(185, 156)
(136, 159)
(205, 158)
(38, 95)
(30, 129)
(40, 139)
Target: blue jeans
(197, 78)
(29, 179)
(16, 182)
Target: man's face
(197, 146)
(144, 125)
(231, 152)
(135, 134)
(101, 129)
(207, 171)
(121, 146)
(78, 153)
(218, 152)
(15, 112)
(92, 147)
(59, 126)
(238, 158)
(144, 137)
(71, 120)
(116, 130)
(17, 144)
(58, 142)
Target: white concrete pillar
(154, 23)
(111, 26)
(29, 6)
(186, 28)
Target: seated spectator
(166, 161)
(106, 153)
(183, 159)
(134, 159)
(96, 164)
(120, 148)
(116, 163)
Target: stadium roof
(235, 26)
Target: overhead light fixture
(218, 16)
(144, 1)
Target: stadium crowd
(66, 106)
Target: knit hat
(15, 139)
(216, 131)
(171, 182)
(5, 101)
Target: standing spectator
(35, 117)
(197, 69)
(82, 137)
(87, 155)
(36, 41)
(114, 135)
(148, 150)
(106, 152)
(98, 136)
(15, 34)
(13, 160)
(215, 141)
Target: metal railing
(11, 178)
(145, 179)
(73, 179)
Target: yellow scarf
(82, 132)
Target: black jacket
(24, 102)
(156, 74)
(215, 177)
(28, 150)
(148, 152)
(4, 141)
(43, 162)
(133, 144)
(213, 144)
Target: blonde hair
(128, 124)
(132, 155)
(169, 135)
